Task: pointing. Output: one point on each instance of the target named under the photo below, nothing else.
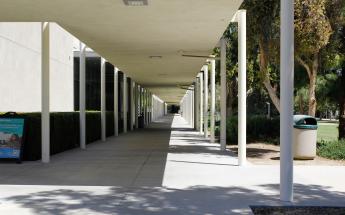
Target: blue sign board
(11, 136)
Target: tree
(312, 33)
(231, 68)
(263, 34)
(301, 100)
(342, 103)
(326, 92)
(231, 36)
(336, 14)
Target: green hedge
(64, 131)
(332, 149)
(93, 126)
(259, 128)
(110, 123)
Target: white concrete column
(116, 101)
(143, 105)
(205, 69)
(45, 89)
(185, 104)
(197, 105)
(201, 97)
(186, 107)
(242, 87)
(286, 98)
(154, 109)
(140, 100)
(124, 103)
(192, 107)
(190, 103)
(136, 122)
(103, 100)
(147, 106)
(82, 97)
(131, 122)
(149, 109)
(143, 109)
(185, 114)
(213, 98)
(223, 94)
(155, 113)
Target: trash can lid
(305, 122)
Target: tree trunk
(312, 86)
(312, 74)
(312, 99)
(230, 99)
(342, 105)
(272, 92)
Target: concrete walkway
(164, 169)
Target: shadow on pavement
(194, 200)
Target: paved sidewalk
(164, 169)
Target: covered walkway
(166, 168)
(156, 49)
(145, 157)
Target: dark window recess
(93, 84)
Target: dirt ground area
(268, 154)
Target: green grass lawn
(328, 144)
(327, 131)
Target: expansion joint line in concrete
(141, 168)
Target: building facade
(20, 67)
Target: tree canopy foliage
(319, 54)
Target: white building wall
(62, 75)
(20, 68)
(158, 108)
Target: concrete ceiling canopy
(144, 38)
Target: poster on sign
(11, 138)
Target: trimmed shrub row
(259, 128)
(64, 131)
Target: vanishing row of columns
(286, 96)
(141, 100)
(196, 109)
(200, 90)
